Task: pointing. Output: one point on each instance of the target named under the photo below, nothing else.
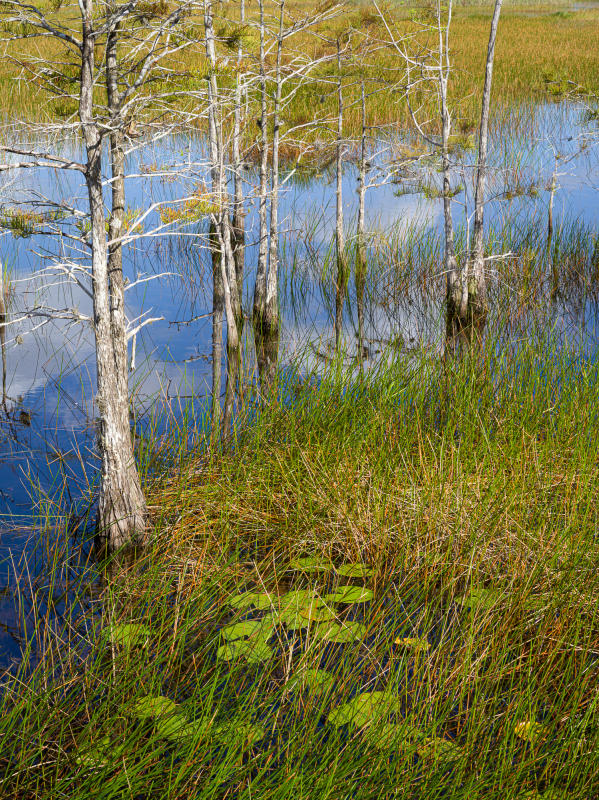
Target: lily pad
(127, 634)
(351, 594)
(240, 734)
(310, 564)
(439, 750)
(477, 598)
(365, 709)
(341, 632)
(317, 613)
(317, 681)
(393, 735)
(178, 727)
(99, 754)
(531, 731)
(155, 706)
(297, 599)
(259, 600)
(253, 650)
(239, 630)
(413, 642)
(293, 619)
(297, 616)
(354, 571)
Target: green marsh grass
(462, 495)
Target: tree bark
(122, 510)
(477, 288)
(361, 239)
(456, 288)
(339, 234)
(261, 267)
(218, 307)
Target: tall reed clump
(386, 587)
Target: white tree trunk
(477, 288)
(122, 510)
(339, 233)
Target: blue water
(47, 433)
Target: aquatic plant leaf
(478, 597)
(253, 650)
(354, 571)
(413, 642)
(293, 620)
(126, 634)
(98, 755)
(297, 599)
(442, 751)
(260, 600)
(239, 630)
(351, 594)
(228, 652)
(257, 651)
(301, 609)
(365, 709)
(177, 727)
(318, 681)
(393, 735)
(531, 731)
(310, 564)
(241, 734)
(155, 706)
(317, 613)
(341, 632)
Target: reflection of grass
(462, 495)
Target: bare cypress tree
(238, 222)
(341, 279)
(361, 264)
(221, 220)
(218, 309)
(477, 308)
(122, 510)
(121, 504)
(259, 310)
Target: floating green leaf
(351, 594)
(354, 571)
(99, 754)
(317, 613)
(479, 597)
(439, 750)
(531, 731)
(177, 727)
(310, 564)
(126, 634)
(239, 630)
(393, 735)
(341, 632)
(318, 681)
(293, 619)
(302, 608)
(413, 642)
(365, 709)
(253, 650)
(297, 599)
(155, 706)
(259, 600)
(241, 734)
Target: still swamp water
(47, 432)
